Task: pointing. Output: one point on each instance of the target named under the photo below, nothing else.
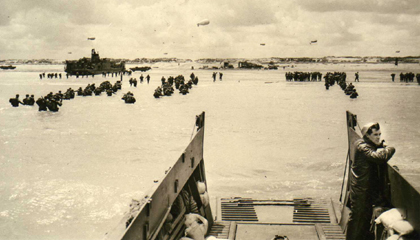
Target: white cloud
(372, 6)
(132, 28)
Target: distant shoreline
(266, 61)
(279, 64)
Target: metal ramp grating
(234, 211)
(315, 212)
(333, 232)
(220, 230)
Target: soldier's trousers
(361, 212)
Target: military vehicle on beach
(141, 69)
(8, 67)
(93, 65)
(181, 195)
(249, 65)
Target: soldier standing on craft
(366, 181)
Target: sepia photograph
(209, 120)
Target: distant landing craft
(203, 23)
(166, 53)
(69, 52)
(397, 51)
(91, 38)
(262, 44)
(315, 41)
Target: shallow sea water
(72, 174)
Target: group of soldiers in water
(166, 89)
(133, 81)
(29, 100)
(129, 97)
(52, 101)
(332, 78)
(349, 90)
(340, 79)
(105, 86)
(49, 102)
(407, 77)
(303, 76)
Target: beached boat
(141, 69)
(249, 65)
(8, 67)
(93, 65)
(163, 213)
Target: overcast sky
(150, 28)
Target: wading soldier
(15, 101)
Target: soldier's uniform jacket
(368, 156)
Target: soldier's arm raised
(379, 156)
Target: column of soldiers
(350, 90)
(340, 79)
(332, 78)
(166, 89)
(303, 76)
